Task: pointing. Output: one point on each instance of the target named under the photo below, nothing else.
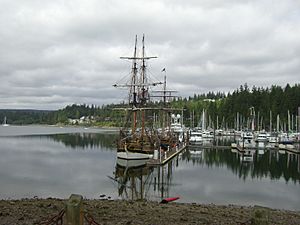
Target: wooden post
(74, 210)
(260, 216)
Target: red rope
(90, 219)
(57, 219)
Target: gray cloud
(62, 52)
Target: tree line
(263, 105)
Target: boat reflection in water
(138, 181)
(247, 156)
(195, 151)
(248, 164)
(133, 177)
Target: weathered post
(260, 216)
(74, 210)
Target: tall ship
(138, 139)
(145, 124)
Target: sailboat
(5, 122)
(138, 139)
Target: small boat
(196, 136)
(273, 137)
(208, 134)
(247, 135)
(286, 142)
(285, 138)
(262, 137)
(167, 200)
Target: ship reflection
(138, 181)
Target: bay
(47, 161)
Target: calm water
(56, 162)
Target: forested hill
(72, 114)
(222, 110)
(265, 104)
(25, 116)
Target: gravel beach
(35, 211)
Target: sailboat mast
(270, 128)
(143, 80)
(165, 89)
(133, 91)
(289, 121)
(277, 123)
(203, 120)
(143, 73)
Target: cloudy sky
(60, 52)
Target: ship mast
(133, 93)
(143, 94)
(138, 86)
(144, 88)
(166, 96)
(133, 87)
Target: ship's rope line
(58, 219)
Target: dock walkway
(167, 156)
(285, 148)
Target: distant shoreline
(65, 126)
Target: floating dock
(289, 148)
(166, 156)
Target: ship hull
(131, 163)
(128, 155)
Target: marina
(246, 143)
(150, 112)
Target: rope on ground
(90, 220)
(247, 222)
(55, 220)
(58, 219)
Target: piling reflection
(249, 164)
(133, 180)
(138, 181)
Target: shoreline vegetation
(104, 211)
(267, 104)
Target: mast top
(139, 82)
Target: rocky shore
(35, 211)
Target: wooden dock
(285, 148)
(166, 156)
(209, 146)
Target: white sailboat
(5, 122)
